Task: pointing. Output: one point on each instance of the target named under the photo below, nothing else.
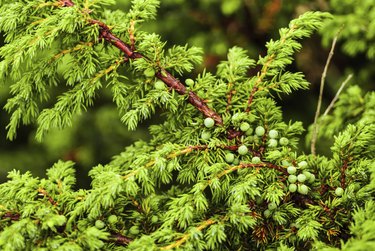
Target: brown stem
(44, 193)
(66, 3)
(121, 240)
(11, 215)
(251, 97)
(343, 177)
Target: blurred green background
(214, 25)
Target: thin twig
(329, 108)
(322, 81)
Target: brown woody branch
(66, 3)
(162, 74)
(121, 240)
(343, 176)
(44, 193)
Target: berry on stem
(259, 131)
(134, 230)
(292, 169)
(255, 160)
(209, 122)
(229, 157)
(283, 141)
(292, 178)
(244, 126)
(206, 135)
(339, 191)
(301, 177)
(272, 206)
(272, 143)
(302, 164)
(149, 72)
(112, 219)
(273, 134)
(292, 188)
(242, 150)
(99, 224)
(189, 82)
(303, 189)
(249, 131)
(159, 85)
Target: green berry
(283, 141)
(149, 72)
(244, 126)
(273, 134)
(259, 131)
(272, 143)
(302, 164)
(307, 174)
(292, 178)
(189, 82)
(292, 169)
(159, 85)
(134, 230)
(339, 191)
(229, 157)
(292, 188)
(249, 131)
(242, 150)
(255, 160)
(206, 135)
(272, 206)
(301, 177)
(209, 122)
(112, 219)
(311, 178)
(303, 189)
(99, 224)
(267, 213)
(285, 163)
(154, 219)
(236, 161)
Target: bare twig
(329, 108)
(322, 81)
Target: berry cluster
(297, 182)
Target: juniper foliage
(180, 190)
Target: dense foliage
(222, 172)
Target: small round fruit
(189, 82)
(112, 219)
(209, 122)
(242, 150)
(229, 157)
(311, 178)
(149, 72)
(301, 177)
(273, 134)
(134, 230)
(255, 160)
(292, 178)
(284, 162)
(339, 191)
(244, 126)
(99, 224)
(267, 213)
(292, 188)
(249, 132)
(307, 174)
(283, 141)
(236, 161)
(154, 219)
(303, 189)
(272, 143)
(206, 135)
(272, 206)
(259, 131)
(292, 169)
(159, 85)
(302, 164)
